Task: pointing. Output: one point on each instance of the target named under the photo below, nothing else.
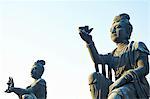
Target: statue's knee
(94, 75)
(114, 96)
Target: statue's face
(119, 32)
(35, 72)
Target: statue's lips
(113, 35)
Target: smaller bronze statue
(128, 60)
(37, 90)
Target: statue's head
(37, 69)
(121, 29)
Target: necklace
(120, 49)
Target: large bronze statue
(129, 61)
(37, 90)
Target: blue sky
(37, 29)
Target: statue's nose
(113, 30)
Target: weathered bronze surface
(37, 90)
(129, 61)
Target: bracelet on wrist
(89, 44)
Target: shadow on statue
(37, 90)
(129, 60)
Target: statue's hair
(122, 16)
(41, 61)
(125, 18)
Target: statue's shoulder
(139, 46)
(41, 82)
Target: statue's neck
(36, 80)
(121, 47)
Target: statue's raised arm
(85, 34)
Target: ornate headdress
(39, 63)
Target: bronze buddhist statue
(129, 60)
(37, 90)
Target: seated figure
(37, 90)
(128, 60)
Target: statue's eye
(118, 26)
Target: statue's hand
(9, 90)
(124, 79)
(118, 83)
(85, 34)
(10, 84)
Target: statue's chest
(121, 64)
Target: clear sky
(46, 29)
